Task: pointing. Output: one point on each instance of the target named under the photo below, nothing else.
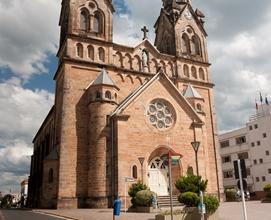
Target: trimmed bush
(191, 183)
(230, 194)
(144, 198)
(267, 188)
(268, 195)
(189, 199)
(136, 187)
(211, 203)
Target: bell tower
(180, 30)
(87, 18)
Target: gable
(159, 87)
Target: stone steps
(164, 201)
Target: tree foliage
(191, 183)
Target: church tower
(180, 31)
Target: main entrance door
(158, 178)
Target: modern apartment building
(252, 143)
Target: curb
(56, 215)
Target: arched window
(90, 52)
(201, 74)
(79, 50)
(84, 21)
(199, 108)
(185, 44)
(134, 172)
(98, 22)
(116, 96)
(51, 176)
(108, 95)
(101, 54)
(186, 70)
(98, 95)
(195, 45)
(194, 72)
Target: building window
(261, 160)
(134, 172)
(255, 126)
(90, 52)
(241, 140)
(101, 54)
(250, 127)
(224, 144)
(98, 23)
(264, 135)
(228, 174)
(199, 108)
(195, 45)
(269, 170)
(263, 178)
(108, 95)
(226, 159)
(185, 44)
(84, 21)
(252, 144)
(79, 50)
(258, 143)
(51, 176)
(243, 155)
(248, 172)
(267, 153)
(257, 179)
(186, 70)
(255, 161)
(98, 95)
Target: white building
(252, 143)
(24, 192)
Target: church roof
(190, 92)
(126, 102)
(103, 79)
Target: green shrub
(268, 195)
(230, 194)
(6, 201)
(189, 199)
(191, 183)
(136, 187)
(144, 198)
(267, 188)
(211, 203)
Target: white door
(158, 179)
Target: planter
(188, 214)
(145, 209)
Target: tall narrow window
(90, 52)
(101, 54)
(84, 20)
(186, 70)
(108, 95)
(79, 50)
(51, 176)
(195, 45)
(98, 23)
(135, 171)
(185, 44)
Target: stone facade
(115, 104)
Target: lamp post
(195, 145)
(141, 161)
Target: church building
(120, 111)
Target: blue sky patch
(121, 7)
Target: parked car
(239, 196)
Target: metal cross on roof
(145, 31)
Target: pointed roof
(126, 102)
(104, 79)
(190, 92)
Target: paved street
(14, 214)
(227, 211)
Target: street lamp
(141, 161)
(195, 145)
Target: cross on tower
(145, 31)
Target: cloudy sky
(239, 46)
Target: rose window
(160, 115)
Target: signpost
(127, 180)
(241, 181)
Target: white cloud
(22, 112)
(29, 31)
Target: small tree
(144, 198)
(191, 183)
(7, 201)
(136, 187)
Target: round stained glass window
(160, 114)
